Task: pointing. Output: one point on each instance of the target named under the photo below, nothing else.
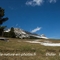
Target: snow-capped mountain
(20, 33)
(25, 34)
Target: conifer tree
(2, 20)
(11, 33)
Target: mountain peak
(25, 34)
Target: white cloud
(36, 29)
(52, 1)
(39, 2)
(35, 2)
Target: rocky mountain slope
(25, 34)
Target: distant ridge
(25, 34)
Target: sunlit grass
(24, 47)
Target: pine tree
(2, 20)
(11, 33)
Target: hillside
(25, 34)
(29, 51)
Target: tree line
(2, 20)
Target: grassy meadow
(20, 46)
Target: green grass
(19, 46)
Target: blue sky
(37, 16)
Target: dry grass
(19, 46)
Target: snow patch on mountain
(25, 34)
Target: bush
(6, 34)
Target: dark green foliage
(6, 34)
(1, 12)
(2, 20)
(32, 37)
(11, 33)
